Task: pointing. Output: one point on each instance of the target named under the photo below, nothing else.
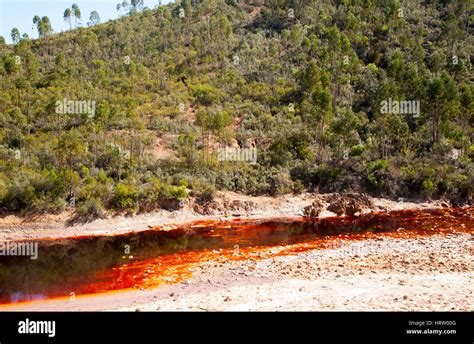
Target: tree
(37, 22)
(76, 11)
(321, 110)
(15, 34)
(94, 18)
(43, 25)
(136, 5)
(67, 17)
(47, 26)
(442, 96)
(9, 64)
(123, 5)
(130, 8)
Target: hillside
(136, 114)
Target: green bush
(91, 209)
(157, 194)
(280, 183)
(205, 94)
(377, 165)
(178, 192)
(376, 174)
(203, 191)
(125, 198)
(428, 187)
(357, 150)
(20, 195)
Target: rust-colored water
(90, 265)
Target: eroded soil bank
(227, 205)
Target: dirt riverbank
(13, 227)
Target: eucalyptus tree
(15, 34)
(76, 11)
(43, 25)
(135, 6)
(67, 17)
(48, 29)
(37, 22)
(123, 6)
(94, 18)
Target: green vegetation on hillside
(301, 81)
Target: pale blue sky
(20, 13)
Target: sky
(20, 13)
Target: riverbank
(431, 272)
(389, 274)
(226, 205)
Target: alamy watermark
(12, 248)
(237, 154)
(76, 107)
(37, 327)
(411, 107)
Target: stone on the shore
(348, 204)
(314, 209)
